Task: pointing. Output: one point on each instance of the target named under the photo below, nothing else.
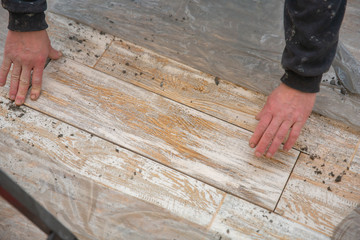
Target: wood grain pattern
(226, 101)
(97, 189)
(111, 165)
(355, 163)
(238, 219)
(75, 40)
(182, 83)
(187, 140)
(319, 194)
(67, 181)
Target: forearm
(26, 16)
(311, 35)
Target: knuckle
(4, 68)
(268, 135)
(262, 126)
(280, 137)
(14, 77)
(40, 60)
(24, 80)
(36, 81)
(24, 61)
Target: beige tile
(180, 137)
(238, 219)
(319, 194)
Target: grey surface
(209, 35)
(3, 26)
(347, 69)
(239, 41)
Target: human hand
(27, 52)
(285, 109)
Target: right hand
(286, 109)
(27, 52)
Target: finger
(4, 70)
(54, 54)
(294, 134)
(23, 85)
(36, 82)
(267, 137)
(260, 129)
(279, 138)
(14, 81)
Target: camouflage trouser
(349, 228)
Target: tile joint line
(287, 181)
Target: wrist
(301, 83)
(27, 22)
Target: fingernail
(268, 155)
(252, 145)
(18, 102)
(33, 96)
(257, 154)
(12, 97)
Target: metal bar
(29, 207)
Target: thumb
(54, 54)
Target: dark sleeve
(311, 35)
(26, 15)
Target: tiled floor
(127, 144)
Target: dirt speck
(329, 189)
(343, 91)
(217, 81)
(305, 148)
(338, 178)
(60, 135)
(227, 231)
(331, 174)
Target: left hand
(285, 109)
(27, 52)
